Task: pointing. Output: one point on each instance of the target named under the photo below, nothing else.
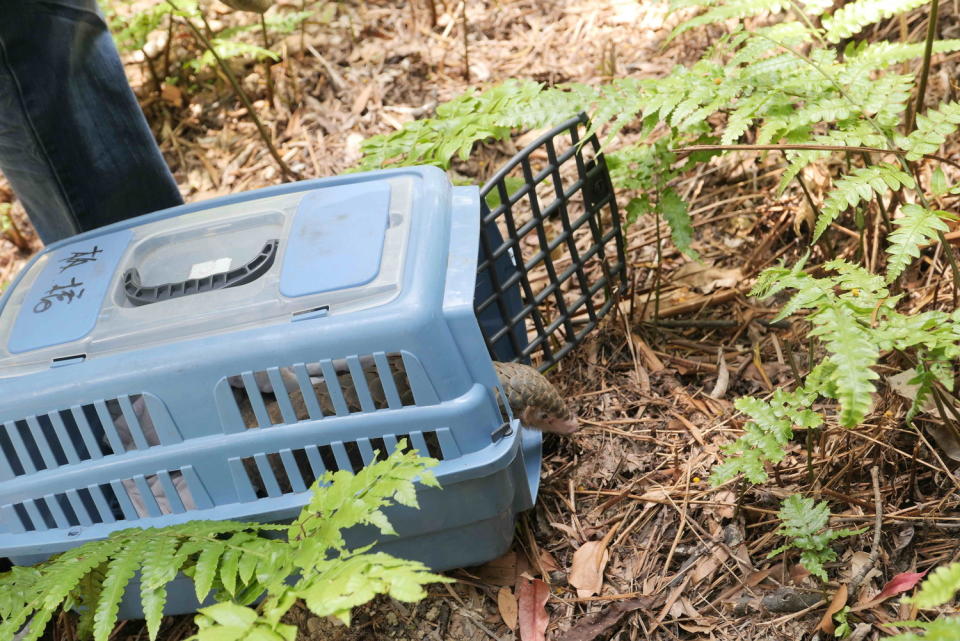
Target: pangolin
(532, 398)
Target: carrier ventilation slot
(83, 432)
(151, 495)
(367, 383)
(295, 470)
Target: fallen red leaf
(533, 618)
(900, 583)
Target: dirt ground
(686, 560)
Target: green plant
(804, 524)
(936, 590)
(132, 29)
(240, 562)
(789, 88)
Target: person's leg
(74, 144)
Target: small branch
(157, 83)
(13, 232)
(267, 72)
(166, 47)
(925, 71)
(806, 194)
(264, 134)
(466, 49)
(877, 523)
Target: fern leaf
(228, 49)
(857, 133)
(48, 590)
(766, 436)
(940, 629)
(159, 567)
(852, 352)
(917, 226)
(851, 277)
(855, 16)
(860, 185)
(938, 588)
(742, 117)
(205, 571)
(803, 523)
(932, 130)
(355, 580)
(675, 212)
(758, 44)
(120, 570)
(228, 567)
(733, 9)
(877, 55)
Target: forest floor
(685, 560)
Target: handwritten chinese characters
(80, 258)
(67, 292)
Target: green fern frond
(916, 226)
(337, 588)
(52, 587)
(856, 133)
(766, 435)
(160, 566)
(855, 16)
(939, 587)
(762, 42)
(924, 380)
(860, 185)
(205, 570)
(121, 569)
(854, 278)
(932, 130)
(742, 117)
(803, 523)
(863, 57)
(852, 352)
(738, 9)
(93, 577)
(675, 212)
(941, 629)
(470, 118)
(228, 49)
(131, 31)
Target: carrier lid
(64, 302)
(327, 247)
(336, 240)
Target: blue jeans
(74, 143)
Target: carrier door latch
(501, 432)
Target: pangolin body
(532, 398)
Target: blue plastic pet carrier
(210, 361)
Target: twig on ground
(878, 522)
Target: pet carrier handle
(140, 294)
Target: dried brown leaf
(501, 571)
(586, 571)
(508, 607)
(591, 627)
(839, 600)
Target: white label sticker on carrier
(209, 268)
